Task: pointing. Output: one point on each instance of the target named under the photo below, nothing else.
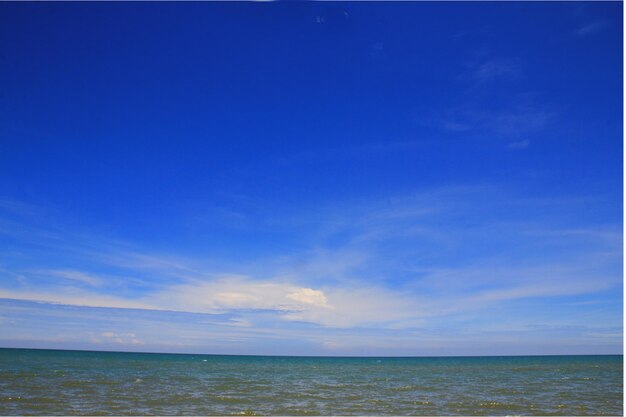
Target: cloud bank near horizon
(370, 269)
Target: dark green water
(46, 382)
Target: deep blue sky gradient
(326, 146)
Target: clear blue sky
(312, 178)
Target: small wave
(496, 405)
(492, 404)
(412, 388)
(403, 388)
(247, 412)
(11, 399)
(526, 368)
(226, 398)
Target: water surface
(48, 382)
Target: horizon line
(312, 356)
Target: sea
(57, 382)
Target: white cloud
(118, 338)
(333, 306)
(310, 296)
(230, 292)
(361, 306)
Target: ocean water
(47, 382)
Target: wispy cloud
(519, 145)
(336, 307)
(341, 279)
(591, 28)
(71, 296)
(493, 101)
(492, 70)
(71, 275)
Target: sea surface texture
(46, 382)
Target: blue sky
(312, 178)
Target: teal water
(47, 382)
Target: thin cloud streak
(406, 271)
(481, 108)
(345, 284)
(591, 28)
